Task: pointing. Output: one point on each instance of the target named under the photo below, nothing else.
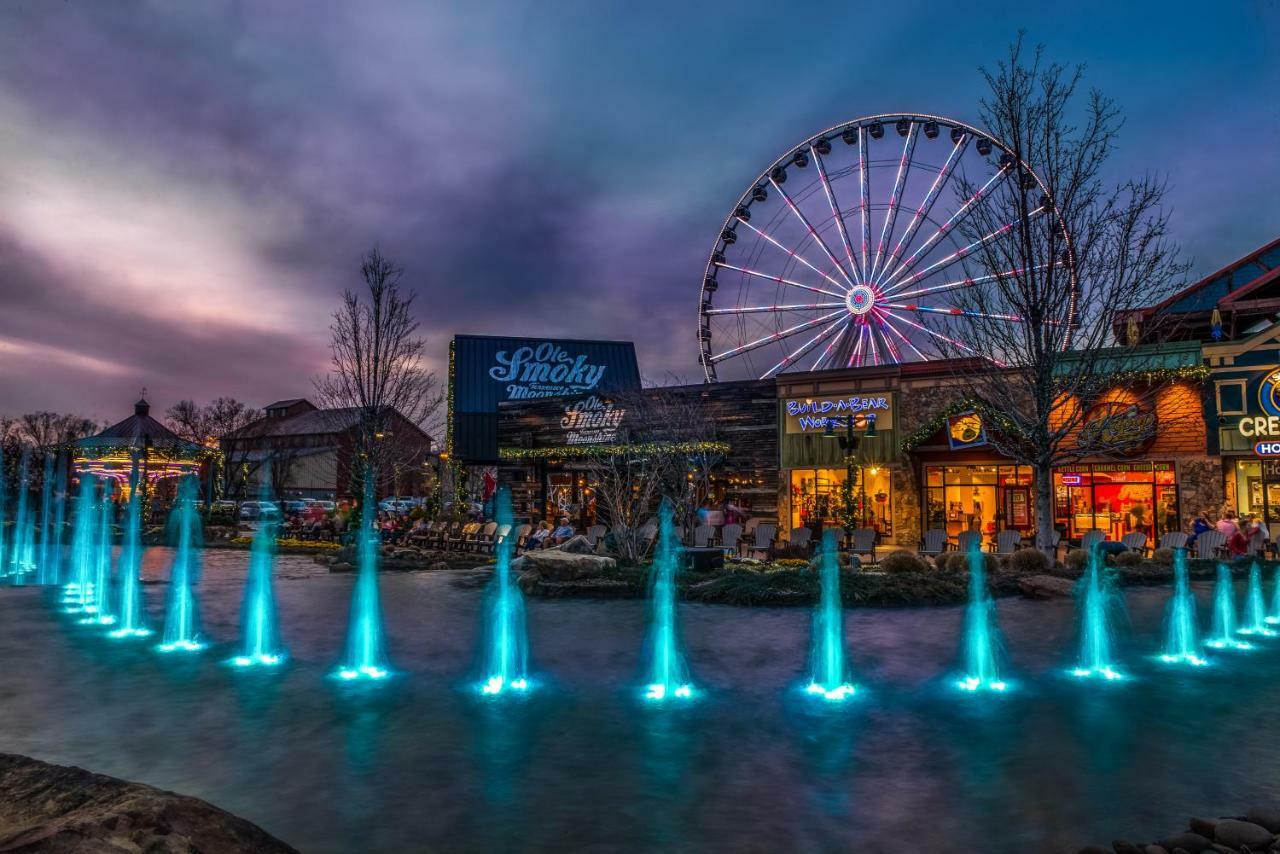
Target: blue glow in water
(46, 521)
(828, 675)
(1274, 617)
(506, 638)
(1224, 614)
(23, 560)
(132, 614)
(981, 644)
(1255, 607)
(100, 608)
(78, 594)
(51, 572)
(1097, 599)
(668, 675)
(4, 551)
(182, 612)
(259, 634)
(365, 657)
(1181, 628)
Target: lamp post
(849, 445)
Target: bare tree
(377, 369)
(221, 423)
(48, 429)
(1062, 258)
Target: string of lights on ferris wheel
(879, 290)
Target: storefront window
(984, 498)
(816, 497)
(1117, 498)
(1258, 489)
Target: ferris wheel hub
(860, 299)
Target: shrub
(1164, 557)
(1129, 559)
(1076, 559)
(903, 561)
(1029, 561)
(791, 562)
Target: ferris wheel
(850, 250)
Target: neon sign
(809, 413)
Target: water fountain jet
(1182, 634)
(365, 657)
(828, 675)
(1224, 614)
(259, 634)
(1097, 598)
(506, 635)
(133, 616)
(668, 672)
(46, 510)
(78, 594)
(23, 558)
(100, 607)
(1255, 607)
(182, 612)
(981, 643)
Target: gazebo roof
(140, 430)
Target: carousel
(139, 443)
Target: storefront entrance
(1258, 489)
(985, 497)
(816, 497)
(1117, 498)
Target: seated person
(537, 539)
(563, 532)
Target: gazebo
(138, 440)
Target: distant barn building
(297, 450)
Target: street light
(849, 444)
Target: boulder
(1235, 833)
(1155, 849)
(558, 565)
(341, 566)
(529, 581)
(1192, 843)
(1045, 587)
(67, 810)
(1203, 826)
(1268, 817)
(439, 564)
(575, 545)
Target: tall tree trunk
(1044, 510)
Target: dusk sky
(186, 188)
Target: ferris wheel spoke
(788, 360)
(871, 337)
(832, 345)
(895, 197)
(813, 232)
(864, 198)
(761, 309)
(796, 255)
(890, 348)
(958, 255)
(951, 310)
(945, 229)
(967, 282)
(835, 212)
(953, 342)
(922, 212)
(779, 279)
(888, 324)
(777, 336)
(856, 355)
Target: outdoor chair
(762, 539)
(1257, 542)
(702, 536)
(450, 529)
(1173, 540)
(864, 543)
(1090, 540)
(464, 535)
(595, 533)
(1135, 541)
(483, 538)
(730, 535)
(966, 540)
(1209, 544)
(1008, 541)
(934, 543)
(801, 538)
(500, 537)
(522, 535)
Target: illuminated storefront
(1246, 394)
(818, 497)
(980, 497)
(1117, 499)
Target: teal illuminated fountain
(182, 612)
(668, 675)
(506, 641)
(24, 528)
(101, 609)
(1274, 617)
(46, 511)
(828, 674)
(1096, 599)
(365, 657)
(1224, 614)
(4, 552)
(1255, 607)
(259, 635)
(52, 572)
(133, 615)
(1181, 628)
(981, 641)
(78, 594)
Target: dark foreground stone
(68, 810)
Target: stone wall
(1201, 487)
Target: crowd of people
(1238, 532)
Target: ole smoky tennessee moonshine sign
(486, 371)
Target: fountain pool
(423, 762)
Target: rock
(439, 564)
(1120, 846)
(557, 565)
(529, 580)
(1268, 817)
(1045, 587)
(67, 810)
(575, 545)
(1203, 826)
(1235, 833)
(1094, 849)
(517, 564)
(1192, 843)
(1155, 849)
(341, 566)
